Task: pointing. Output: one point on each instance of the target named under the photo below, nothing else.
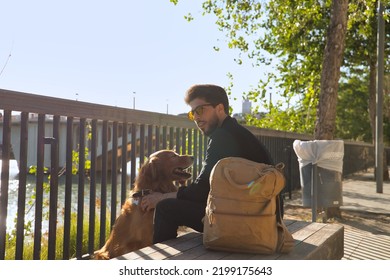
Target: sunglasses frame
(198, 110)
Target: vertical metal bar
(205, 139)
(142, 144)
(171, 138)
(177, 143)
(183, 141)
(189, 149)
(80, 193)
(22, 186)
(379, 101)
(39, 187)
(92, 188)
(103, 192)
(157, 143)
(124, 163)
(150, 140)
(133, 152)
(114, 171)
(196, 158)
(190, 141)
(68, 188)
(54, 189)
(164, 138)
(6, 153)
(200, 152)
(314, 192)
(289, 173)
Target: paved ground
(365, 216)
(360, 193)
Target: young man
(210, 111)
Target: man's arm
(150, 201)
(220, 145)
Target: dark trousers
(171, 213)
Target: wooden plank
(325, 243)
(307, 230)
(298, 227)
(212, 255)
(144, 253)
(196, 250)
(176, 249)
(313, 241)
(27, 102)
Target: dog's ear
(149, 169)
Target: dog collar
(141, 193)
(137, 196)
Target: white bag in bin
(326, 154)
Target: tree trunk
(333, 57)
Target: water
(13, 187)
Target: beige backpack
(243, 208)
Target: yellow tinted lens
(199, 110)
(190, 115)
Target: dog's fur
(133, 229)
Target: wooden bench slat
(312, 241)
(325, 243)
(178, 249)
(297, 226)
(142, 254)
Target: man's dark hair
(210, 93)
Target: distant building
(246, 110)
(246, 107)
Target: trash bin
(325, 159)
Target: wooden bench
(313, 241)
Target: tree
(332, 60)
(294, 32)
(352, 108)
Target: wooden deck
(314, 241)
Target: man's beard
(212, 125)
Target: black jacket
(229, 140)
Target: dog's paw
(100, 256)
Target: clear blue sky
(103, 51)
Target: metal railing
(103, 147)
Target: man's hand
(150, 201)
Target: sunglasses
(198, 110)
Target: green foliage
(353, 121)
(285, 119)
(228, 89)
(28, 250)
(293, 33)
(76, 159)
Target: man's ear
(220, 110)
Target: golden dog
(133, 229)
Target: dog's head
(165, 166)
